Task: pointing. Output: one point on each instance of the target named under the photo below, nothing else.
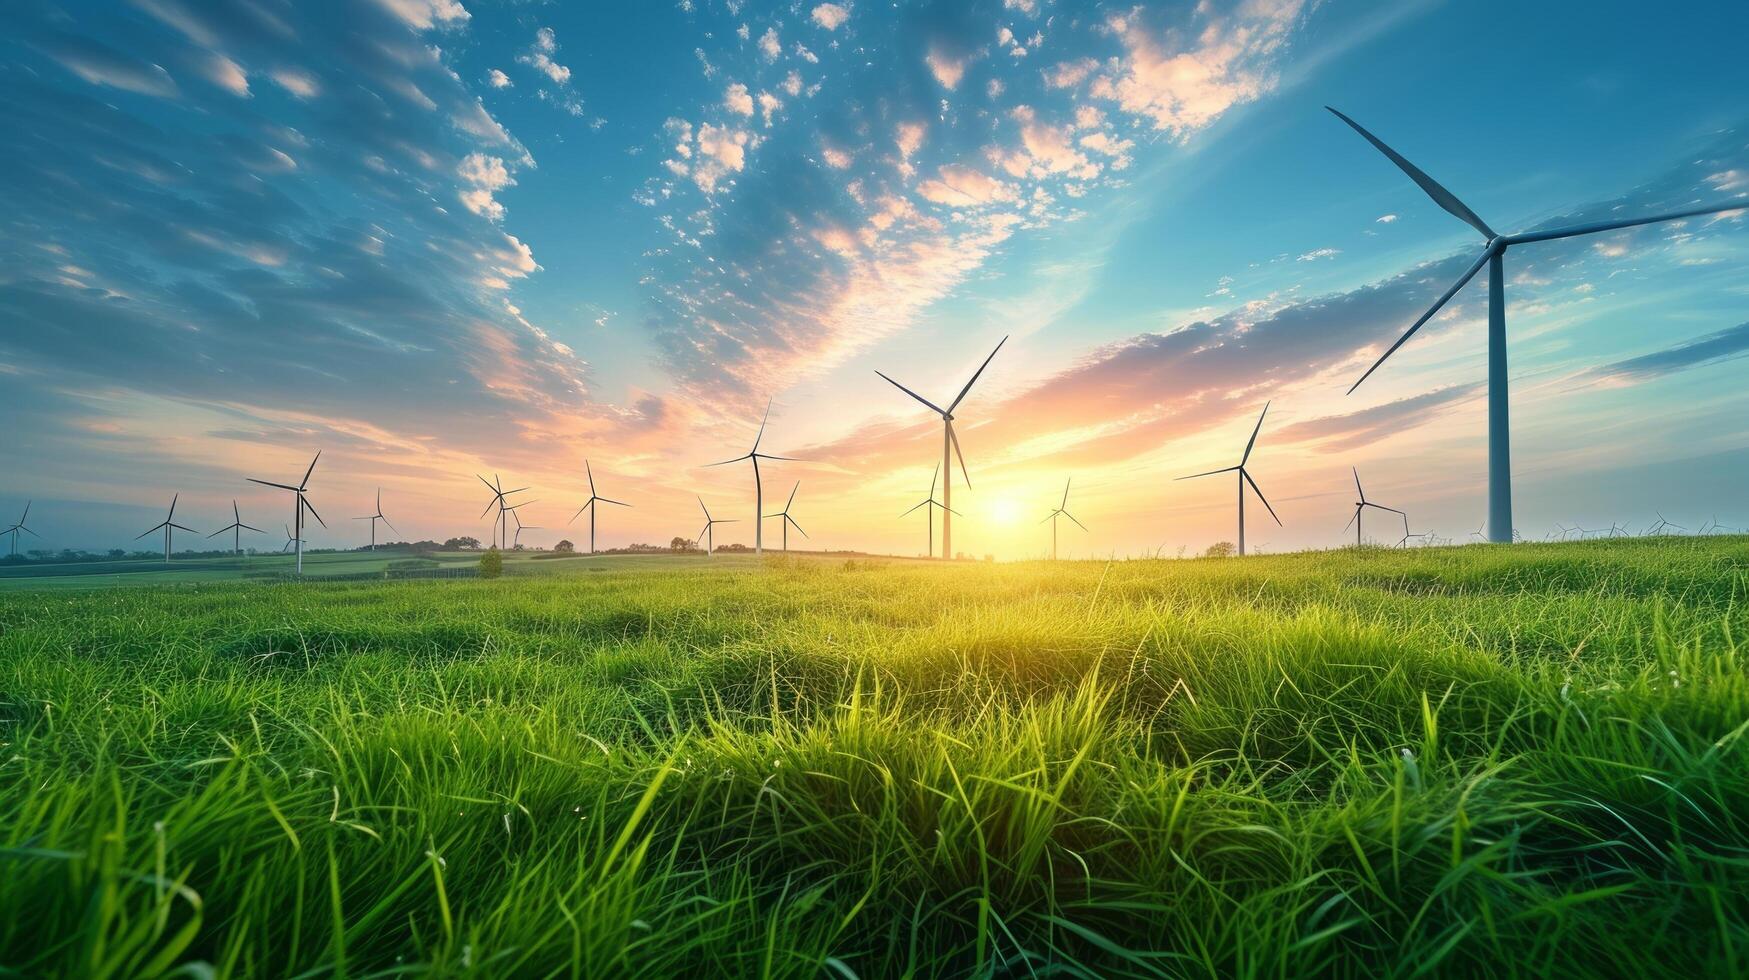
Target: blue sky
(434, 238)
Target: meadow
(1482, 761)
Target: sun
(1005, 510)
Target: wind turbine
(1061, 511)
(521, 527)
(930, 503)
(289, 540)
(1477, 533)
(169, 527)
(788, 520)
(1244, 478)
(948, 441)
(236, 527)
(758, 488)
(1658, 528)
(1494, 256)
(496, 485)
(1362, 504)
(14, 529)
(373, 518)
(589, 505)
(710, 522)
(300, 505)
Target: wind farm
(1482, 712)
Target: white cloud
(792, 83)
(722, 150)
(497, 79)
(1068, 74)
(737, 100)
(1319, 253)
(768, 106)
(835, 158)
(425, 14)
(540, 57)
(831, 15)
(957, 185)
(1385, 219)
(225, 73)
(947, 69)
(299, 83)
(769, 45)
(484, 176)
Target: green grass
(1481, 761)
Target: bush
(1220, 549)
(491, 564)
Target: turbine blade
(934, 478)
(312, 469)
(1442, 197)
(726, 462)
(1077, 523)
(1247, 477)
(489, 507)
(391, 526)
(761, 433)
(248, 528)
(1383, 507)
(787, 459)
(954, 437)
(1591, 229)
(1352, 518)
(792, 496)
(218, 532)
(981, 367)
(267, 484)
(1065, 493)
(190, 530)
(1357, 488)
(1227, 469)
(905, 514)
(798, 527)
(488, 483)
(932, 406)
(581, 509)
(1462, 280)
(305, 501)
(1258, 428)
(1049, 516)
(707, 510)
(28, 531)
(950, 510)
(616, 503)
(591, 474)
(149, 531)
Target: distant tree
(733, 548)
(462, 544)
(491, 564)
(681, 544)
(117, 553)
(565, 546)
(1220, 549)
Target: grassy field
(1475, 761)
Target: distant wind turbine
(1244, 478)
(590, 505)
(929, 504)
(788, 521)
(758, 488)
(299, 505)
(501, 523)
(1362, 504)
(169, 527)
(710, 522)
(1494, 255)
(374, 517)
(14, 529)
(949, 440)
(290, 540)
(521, 527)
(1062, 510)
(236, 527)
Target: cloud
(831, 16)
(296, 81)
(1385, 219)
(497, 79)
(769, 45)
(100, 64)
(426, 14)
(483, 176)
(1725, 344)
(1341, 433)
(224, 73)
(737, 100)
(540, 57)
(947, 69)
(956, 185)
(1319, 253)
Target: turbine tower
(299, 505)
(710, 522)
(14, 529)
(758, 488)
(1362, 504)
(236, 527)
(930, 503)
(948, 441)
(589, 505)
(169, 527)
(373, 518)
(1061, 511)
(501, 523)
(1244, 478)
(1494, 255)
(788, 520)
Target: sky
(441, 238)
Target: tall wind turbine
(929, 504)
(710, 522)
(169, 527)
(1362, 504)
(1494, 256)
(788, 520)
(1244, 478)
(501, 523)
(299, 505)
(14, 529)
(374, 517)
(1061, 511)
(590, 505)
(237, 527)
(758, 488)
(948, 441)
